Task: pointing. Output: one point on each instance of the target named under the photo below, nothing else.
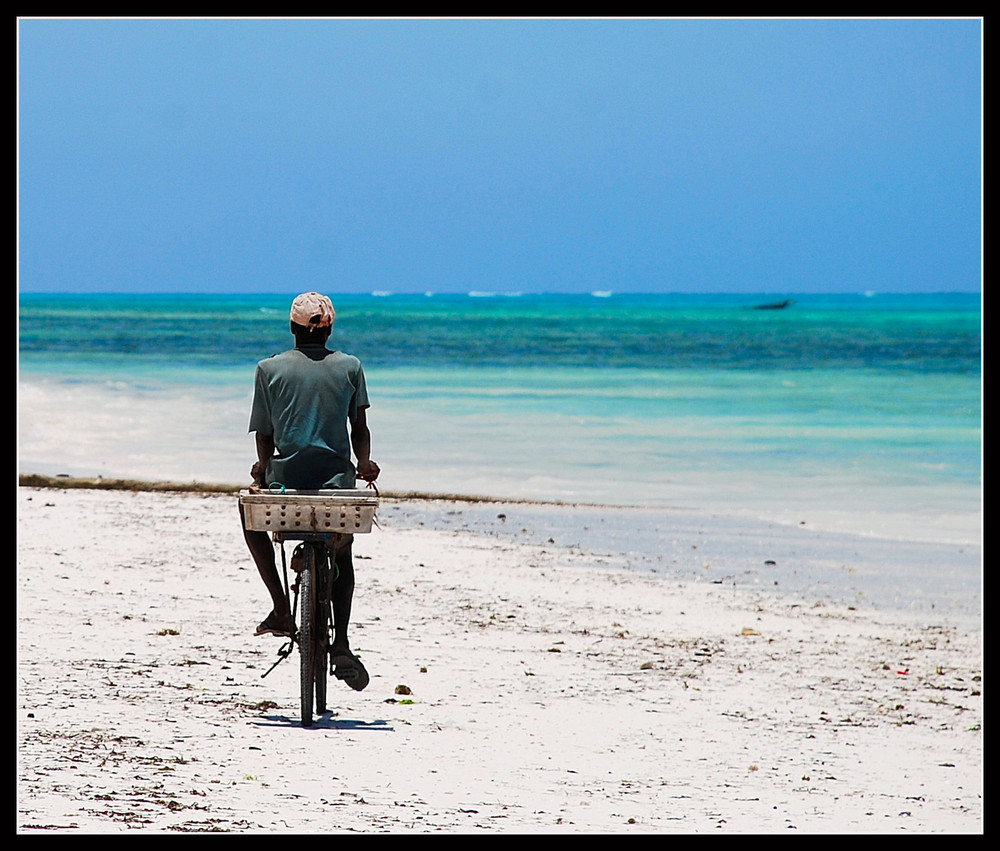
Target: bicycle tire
(307, 636)
(321, 638)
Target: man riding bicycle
(303, 402)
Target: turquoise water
(916, 333)
(866, 407)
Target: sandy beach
(532, 685)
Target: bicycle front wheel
(307, 633)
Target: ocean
(857, 411)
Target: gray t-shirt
(305, 401)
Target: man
(303, 401)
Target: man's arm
(361, 441)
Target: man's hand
(257, 476)
(265, 451)
(368, 470)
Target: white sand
(548, 695)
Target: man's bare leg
(347, 666)
(343, 594)
(262, 550)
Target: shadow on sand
(326, 721)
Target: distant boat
(774, 305)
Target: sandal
(348, 668)
(272, 626)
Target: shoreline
(64, 482)
(550, 690)
(737, 550)
(67, 481)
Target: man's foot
(348, 668)
(273, 625)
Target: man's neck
(314, 351)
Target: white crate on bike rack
(344, 512)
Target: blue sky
(711, 155)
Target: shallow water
(800, 560)
(861, 412)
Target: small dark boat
(774, 305)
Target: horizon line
(502, 293)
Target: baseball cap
(312, 310)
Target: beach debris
(646, 666)
(502, 518)
(770, 562)
(748, 631)
(402, 689)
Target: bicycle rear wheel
(321, 638)
(307, 633)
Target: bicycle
(318, 520)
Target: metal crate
(345, 512)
